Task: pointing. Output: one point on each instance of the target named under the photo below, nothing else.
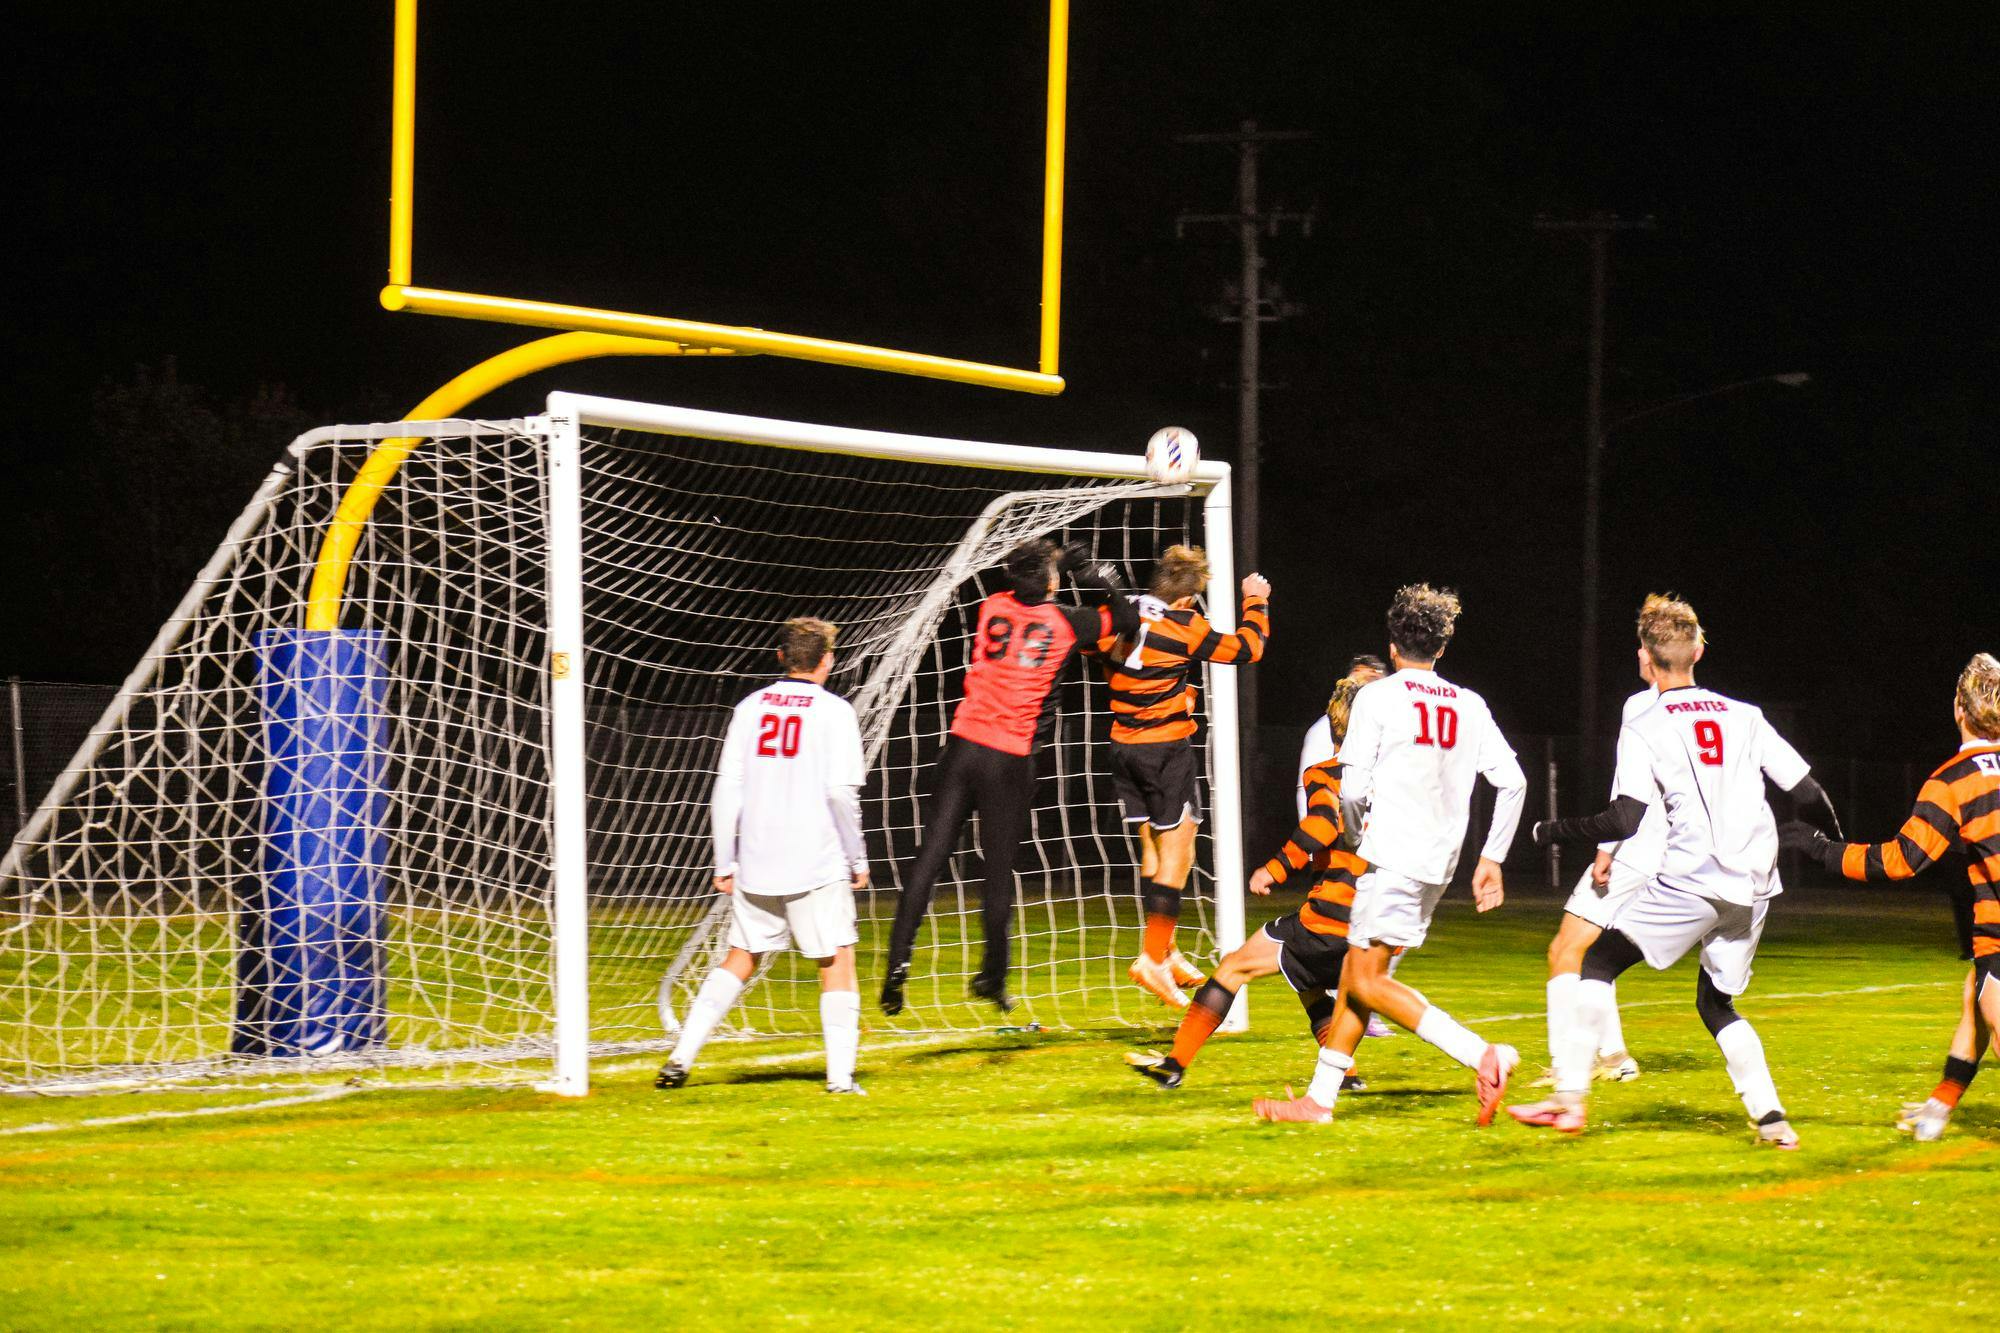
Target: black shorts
(1985, 972)
(1310, 961)
(1157, 783)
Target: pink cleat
(1301, 1110)
(1495, 1068)
(1552, 1114)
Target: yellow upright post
(1052, 184)
(403, 142)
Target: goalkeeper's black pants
(999, 786)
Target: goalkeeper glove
(1799, 836)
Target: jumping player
(786, 818)
(1615, 874)
(1022, 642)
(1153, 766)
(1414, 744)
(1959, 805)
(1306, 947)
(1703, 758)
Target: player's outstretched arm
(1926, 835)
(1615, 823)
(1246, 642)
(1318, 830)
(1086, 571)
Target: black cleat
(1353, 1082)
(892, 989)
(671, 1075)
(1166, 1071)
(994, 989)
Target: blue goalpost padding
(309, 959)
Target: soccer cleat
(1186, 975)
(1547, 1079)
(1157, 979)
(848, 1089)
(1495, 1068)
(1293, 1110)
(1778, 1134)
(1924, 1121)
(1161, 1069)
(1617, 1067)
(1553, 1114)
(892, 989)
(670, 1076)
(994, 989)
(1377, 1028)
(1353, 1082)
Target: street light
(1592, 517)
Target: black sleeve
(1810, 802)
(1101, 576)
(1614, 823)
(1087, 623)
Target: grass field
(1032, 1180)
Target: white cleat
(849, 1089)
(1185, 974)
(1617, 1067)
(1778, 1134)
(1924, 1121)
(1158, 979)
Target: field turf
(1031, 1180)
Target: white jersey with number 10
(784, 813)
(1415, 741)
(1704, 758)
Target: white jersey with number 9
(1704, 758)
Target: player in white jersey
(786, 818)
(1615, 874)
(1703, 759)
(1414, 744)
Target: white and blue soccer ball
(1171, 455)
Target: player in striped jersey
(1307, 947)
(1959, 806)
(1153, 766)
(1022, 642)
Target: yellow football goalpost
(594, 333)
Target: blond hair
(1422, 620)
(1341, 706)
(1182, 572)
(1979, 696)
(804, 642)
(1670, 632)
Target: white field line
(1753, 997)
(144, 1117)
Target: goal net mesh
(122, 903)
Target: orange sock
(1159, 937)
(1204, 1014)
(1957, 1074)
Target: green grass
(1020, 1181)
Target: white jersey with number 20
(784, 812)
(1415, 741)
(1704, 758)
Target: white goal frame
(569, 413)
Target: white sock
(1327, 1073)
(1395, 961)
(1590, 1003)
(711, 1005)
(1743, 1056)
(840, 1025)
(1562, 1000)
(1446, 1033)
(1611, 1037)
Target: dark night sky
(209, 184)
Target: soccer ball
(1171, 455)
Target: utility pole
(1597, 228)
(1251, 310)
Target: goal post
(558, 613)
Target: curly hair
(1182, 572)
(1030, 565)
(1341, 705)
(1670, 632)
(1421, 621)
(804, 642)
(1979, 696)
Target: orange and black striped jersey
(1315, 846)
(1151, 697)
(1959, 805)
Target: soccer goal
(464, 833)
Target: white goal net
(180, 868)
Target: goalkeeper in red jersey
(1306, 948)
(1014, 664)
(1959, 806)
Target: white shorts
(1665, 923)
(1597, 905)
(1391, 909)
(819, 920)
